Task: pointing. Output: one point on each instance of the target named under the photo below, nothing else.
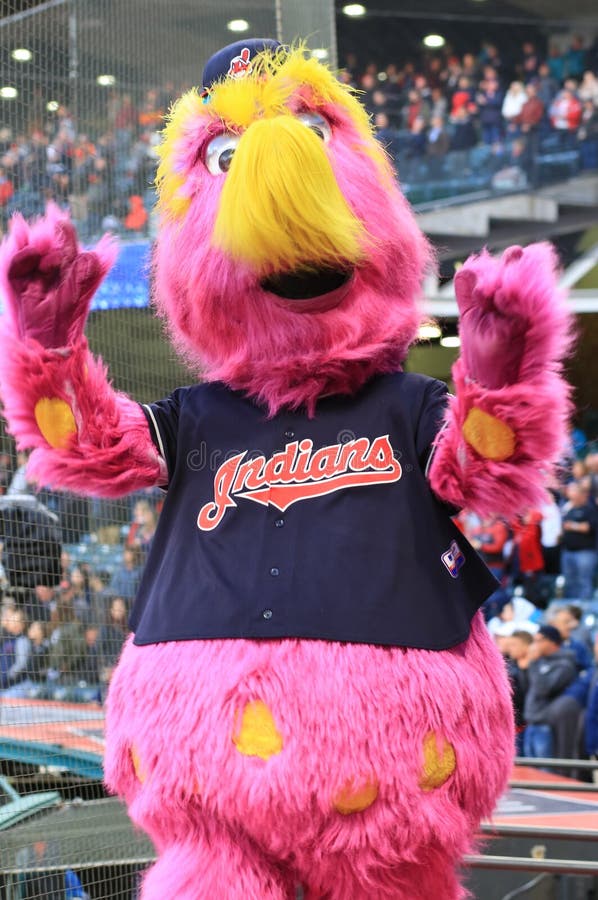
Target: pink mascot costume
(310, 695)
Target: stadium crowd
(499, 125)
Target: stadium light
(106, 80)
(429, 331)
(354, 10)
(238, 25)
(8, 92)
(320, 53)
(22, 54)
(451, 341)
(434, 40)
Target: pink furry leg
(209, 864)
(434, 876)
(505, 429)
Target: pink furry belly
(341, 714)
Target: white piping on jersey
(435, 445)
(150, 413)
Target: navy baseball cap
(235, 59)
(551, 633)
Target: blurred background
(489, 110)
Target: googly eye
(318, 125)
(219, 153)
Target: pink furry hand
(514, 323)
(48, 281)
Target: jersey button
(274, 571)
(267, 614)
(279, 523)
(289, 433)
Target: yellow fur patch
(56, 421)
(138, 766)
(274, 88)
(489, 436)
(439, 764)
(281, 207)
(256, 734)
(353, 799)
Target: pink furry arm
(110, 454)
(56, 396)
(506, 427)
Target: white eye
(219, 153)
(318, 125)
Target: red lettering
(210, 515)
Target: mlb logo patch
(453, 559)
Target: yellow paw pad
(56, 422)
(489, 436)
(138, 765)
(355, 797)
(256, 733)
(439, 762)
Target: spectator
(6, 192)
(528, 559)
(588, 89)
(489, 539)
(136, 219)
(551, 717)
(581, 633)
(546, 86)
(518, 660)
(580, 523)
(416, 108)
(556, 64)
(112, 637)
(67, 650)
(513, 103)
(126, 579)
(489, 100)
(566, 623)
(14, 649)
(416, 145)
(565, 115)
(532, 111)
(438, 143)
(575, 59)
(40, 604)
(36, 671)
(143, 526)
(78, 591)
(464, 133)
(439, 105)
(531, 62)
(591, 717)
(592, 469)
(463, 98)
(551, 531)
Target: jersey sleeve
(431, 421)
(163, 421)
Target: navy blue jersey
(320, 528)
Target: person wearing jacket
(552, 717)
(14, 648)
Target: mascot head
(288, 264)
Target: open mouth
(306, 285)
